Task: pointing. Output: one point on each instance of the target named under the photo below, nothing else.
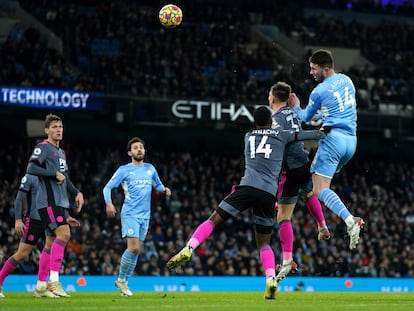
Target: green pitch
(234, 301)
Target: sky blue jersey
(335, 98)
(137, 183)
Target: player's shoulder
(28, 181)
(147, 165)
(124, 167)
(43, 145)
(31, 178)
(283, 112)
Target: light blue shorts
(334, 151)
(133, 227)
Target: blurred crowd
(120, 47)
(376, 189)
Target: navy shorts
(53, 217)
(35, 230)
(261, 202)
(292, 182)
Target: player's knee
(134, 249)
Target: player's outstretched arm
(309, 135)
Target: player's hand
(60, 178)
(167, 191)
(110, 210)
(73, 222)
(79, 201)
(19, 227)
(293, 100)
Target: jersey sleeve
(34, 168)
(21, 197)
(279, 122)
(39, 154)
(311, 109)
(18, 204)
(309, 135)
(37, 160)
(156, 181)
(70, 186)
(114, 182)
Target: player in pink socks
(264, 149)
(29, 226)
(48, 163)
(294, 180)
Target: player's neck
(53, 142)
(137, 163)
(277, 106)
(330, 73)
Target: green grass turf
(219, 301)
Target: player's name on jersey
(265, 132)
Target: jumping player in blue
(332, 100)
(137, 179)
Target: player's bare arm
(79, 201)
(73, 222)
(60, 178)
(167, 191)
(110, 210)
(293, 100)
(19, 227)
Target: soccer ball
(170, 16)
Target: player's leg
(303, 179)
(54, 218)
(130, 227)
(11, 263)
(42, 289)
(264, 221)
(267, 258)
(324, 166)
(135, 247)
(128, 263)
(201, 233)
(315, 209)
(288, 188)
(231, 206)
(284, 216)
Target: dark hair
(281, 91)
(262, 116)
(323, 58)
(134, 140)
(50, 118)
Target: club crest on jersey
(275, 124)
(130, 231)
(62, 164)
(149, 173)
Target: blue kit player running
(334, 97)
(263, 154)
(137, 179)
